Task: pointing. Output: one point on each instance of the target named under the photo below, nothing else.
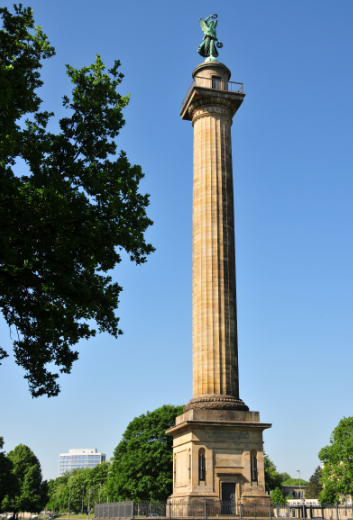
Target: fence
(183, 509)
(315, 511)
(114, 510)
(203, 509)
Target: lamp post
(83, 494)
(89, 502)
(54, 501)
(100, 489)
(106, 484)
(300, 489)
(300, 492)
(68, 508)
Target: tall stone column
(215, 343)
(217, 441)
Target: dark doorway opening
(228, 498)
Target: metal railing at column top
(215, 84)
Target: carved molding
(216, 403)
(211, 106)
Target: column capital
(217, 106)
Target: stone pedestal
(217, 442)
(214, 450)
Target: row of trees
(141, 469)
(79, 490)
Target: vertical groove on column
(215, 236)
(207, 300)
(218, 246)
(203, 288)
(227, 323)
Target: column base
(216, 402)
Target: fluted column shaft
(215, 356)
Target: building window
(202, 469)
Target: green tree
(277, 497)
(67, 212)
(273, 479)
(142, 467)
(31, 494)
(52, 502)
(337, 458)
(314, 486)
(57, 494)
(8, 481)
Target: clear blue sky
(293, 166)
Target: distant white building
(88, 458)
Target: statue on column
(208, 49)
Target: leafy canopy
(31, 490)
(142, 467)
(8, 481)
(337, 458)
(277, 497)
(84, 485)
(68, 206)
(273, 479)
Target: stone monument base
(218, 456)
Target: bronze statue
(207, 49)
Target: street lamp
(89, 503)
(83, 494)
(300, 492)
(54, 500)
(68, 508)
(106, 484)
(300, 489)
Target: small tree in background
(31, 493)
(314, 486)
(277, 497)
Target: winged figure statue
(208, 49)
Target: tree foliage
(142, 467)
(314, 486)
(86, 486)
(337, 458)
(277, 497)
(273, 479)
(31, 491)
(8, 481)
(68, 205)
